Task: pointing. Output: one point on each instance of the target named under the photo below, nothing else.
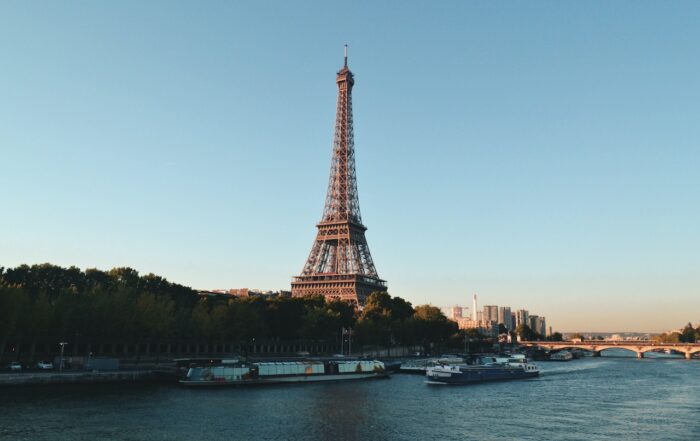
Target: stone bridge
(637, 346)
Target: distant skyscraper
(522, 318)
(491, 313)
(538, 324)
(542, 326)
(504, 317)
(474, 308)
(456, 312)
(532, 322)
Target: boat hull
(288, 379)
(414, 370)
(479, 375)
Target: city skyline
(560, 173)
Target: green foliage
(431, 324)
(688, 334)
(47, 302)
(668, 337)
(524, 332)
(556, 336)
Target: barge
(493, 369)
(238, 373)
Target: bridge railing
(610, 342)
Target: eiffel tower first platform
(340, 265)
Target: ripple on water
(590, 399)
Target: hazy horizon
(543, 155)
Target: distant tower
(474, 308)
(339, 265)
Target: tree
(202, 324)
(13, 304)
(374, 323)
(669, 337)
(432, 325)
(556, 336)
(524, 332)
(154, 316)
(688, 334)
(321, 324)
(285, 316)
(345, 311)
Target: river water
(590, 399)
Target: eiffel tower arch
(340, 265)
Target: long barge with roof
(488, 369)
(235, 372)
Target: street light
(60, 365)
(347, 332)
(342, 341)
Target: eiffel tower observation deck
(340, 265)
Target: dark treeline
(687, 334)
(48, 303)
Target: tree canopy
(48, 302)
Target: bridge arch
(634, 351)
(639, 347)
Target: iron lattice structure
(340, 265)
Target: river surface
(590, 399)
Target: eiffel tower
(340, 265)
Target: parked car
(44, 365)
(14, 366)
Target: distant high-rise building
(542, 326)
(504, 317)
(512, 321)
(491, 313)
(474, 308)
(455, 312)
(538, 324)
(522, 318)
(532, 322)
(446, 311)
(479, 316)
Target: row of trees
(50, 303)
(686, 335)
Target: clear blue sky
(545, 155)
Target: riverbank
(47, 378)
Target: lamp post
(60, 364)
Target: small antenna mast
(346, 55)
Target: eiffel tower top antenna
(346, 55)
